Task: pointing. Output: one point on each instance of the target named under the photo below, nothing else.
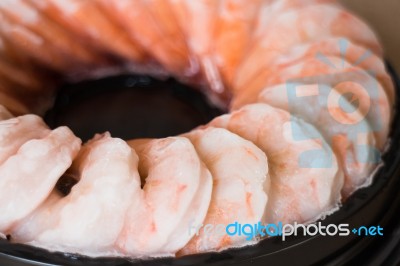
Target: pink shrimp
(33, 45)
(90, 218)
(349, 133)
(373, 102)
(24, 16)
(177, 191)
(87, 21)
(199, 19)
(311, 23)
(153, 37)
(32, 173)
(241, 184)
(350, 53)
(234, 29)
(305, 178)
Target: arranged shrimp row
(310, 100)
(142, 198)
(229, 46)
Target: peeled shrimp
(323, 51)
(356, 55)
(177, 191)
(24, 16)
(31, 174)
(33, 45)
(140, 22)
(234, 29)
(241, 182)
(271, 9)
(86, 20)
(141, 201)
(90, 218)
(308, 24)
(349, 133)
(16, 131)
(199, 19)
(339, 74)
(162, 13)
(305, 179)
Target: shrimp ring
(284, 152)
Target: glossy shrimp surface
(305, 82)
(241, 183)
(26, 19)
(342, 126)
(305, 178)
(307, 24)
(175, 181)
(87, 21)
(367, 93)
(327, 52)
(156, 38)
(202, 17)
(349, 52)
(233, 34)
(271, 9)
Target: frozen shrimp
(162, 13)
(271, 9)
(199, 21)
(234, 29)
(90, 218)
(141, 24)
(32, 173)
(176, 191)
(305, 178)
(339, 74)
(33, 46)
(349, 133)
(23, 15)
(356, 55)
(86, 20)
(308, 24)
(14, 132)
(349, 52)
(241, 183)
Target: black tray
(378, 204)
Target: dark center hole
(130, 106)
